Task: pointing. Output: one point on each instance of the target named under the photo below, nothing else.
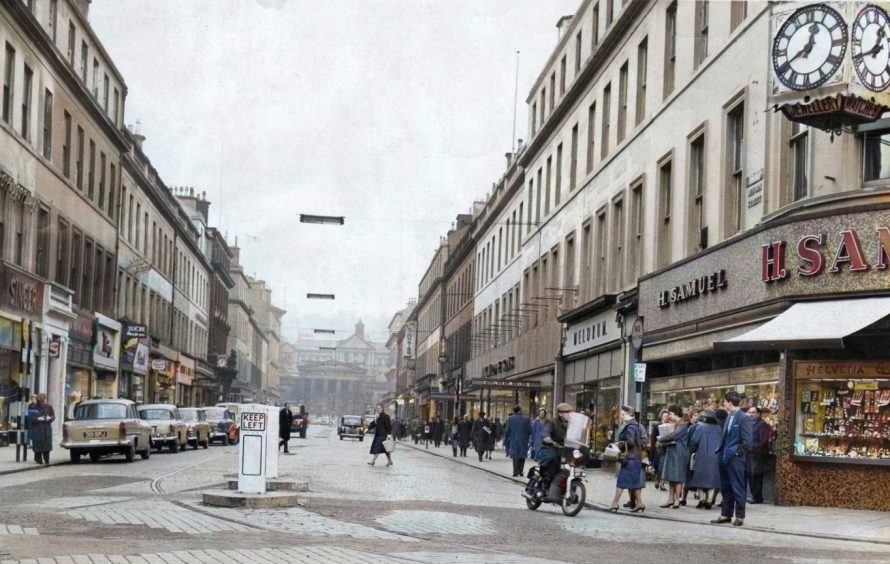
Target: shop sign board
(106, 350)
(132, 331)
(55, 346)
(639, 372)
(501, 367)
(159, 365)
(21, 292)
(591, 333)
(840, 255)
(503, 384)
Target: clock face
(870, 47)
(809, 47)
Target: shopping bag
(389, 444)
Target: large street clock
(870, 47)
(809, 47)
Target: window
(552, 91)
(538, 198)
(79, 162)
(66, 146)
(586, 250)
(105, 88)
(543, 105)
(500, 247)
(573, 165)
(26, 102)
(578, 44)
(48, 125)
(557, 181)
(738, 11)
(618, 243)
(86, 279)
(138, 223)
(519, 239)
(622, 102)
(735, 177)
(665, 186)
(84, 57)
(534, 117)
(670, 49)
(547, 188)
(112, 191)
(599, 266)
(697, 236)
(607, 101)
(800, 160)
(591, 136)
(74, 272)
(3, 207)
(595, 27)
(610, 12)
(53, 15)
(95, 78)
(701, 27)
(72, 38)
(8, 83)
(114, 106)
(562, 76)
(635, 242)
(101, 180)
(642, 70)
(63, 252)
(91, 175)
(98, 279)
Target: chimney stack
(562, 25)
(84, 7)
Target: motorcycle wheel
(574, 502)
(532, 503)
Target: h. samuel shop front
(795, 316)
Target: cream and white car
(168, 429)
(106, 426)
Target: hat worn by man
(564, 407)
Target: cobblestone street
(424, 509)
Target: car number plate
(95, 434)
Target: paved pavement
(9, 465)
(424, 509)
(865, 526)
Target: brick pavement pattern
(158, 515)
(438, 522)
(17, 530)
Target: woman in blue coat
(675, 458)
(703, 445)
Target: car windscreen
(161, 414)
(101, 411)
(215, 413)
(352, 421)
(188, 414)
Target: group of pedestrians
(708, 451)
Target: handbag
(389, 445)
(614, 453)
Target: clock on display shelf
(870, 47)
(810, 46)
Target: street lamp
(322, 219)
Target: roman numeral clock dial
(809, 47)
(870, 47)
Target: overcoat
(517, 434)
(675, 457)
(41, 432)
(482, 440)
(703, 443)
(464, 433)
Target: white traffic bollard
(272, 442)
(252, 455)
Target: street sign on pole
(252, 449)
(639, 372)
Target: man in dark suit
(517, 433)
(733, 457)
(762, 435)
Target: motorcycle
(572, 492)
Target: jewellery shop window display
(843, 418)
(763, 396)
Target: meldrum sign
(812, 255)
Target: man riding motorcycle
(549, 458)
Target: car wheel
(341, 437)
(205, 444)
(131, 454)
(145, 454)
(94, 457)
(174, 447)
(361, 439)
(194, 445)
(303, 434)
(75, 457)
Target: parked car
(351, 427)
(106, 426)
(198, 430)
(301, 419)
(222, 425)
(168, 430)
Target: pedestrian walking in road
(481, 434)
(632, 439)
(382, 427)
(454, 436)
(465, 434)
(704, 440)
(438, 430)
(675, 456)
(397, 429)
(538, 434)
(761, 442)
(40, 428)
(517, 435)
(285, 419)
(733, 455)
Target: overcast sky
(394, 114)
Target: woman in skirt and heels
(382, 427)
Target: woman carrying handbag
(382, 427)
(631, 440)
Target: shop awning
(805, 325)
